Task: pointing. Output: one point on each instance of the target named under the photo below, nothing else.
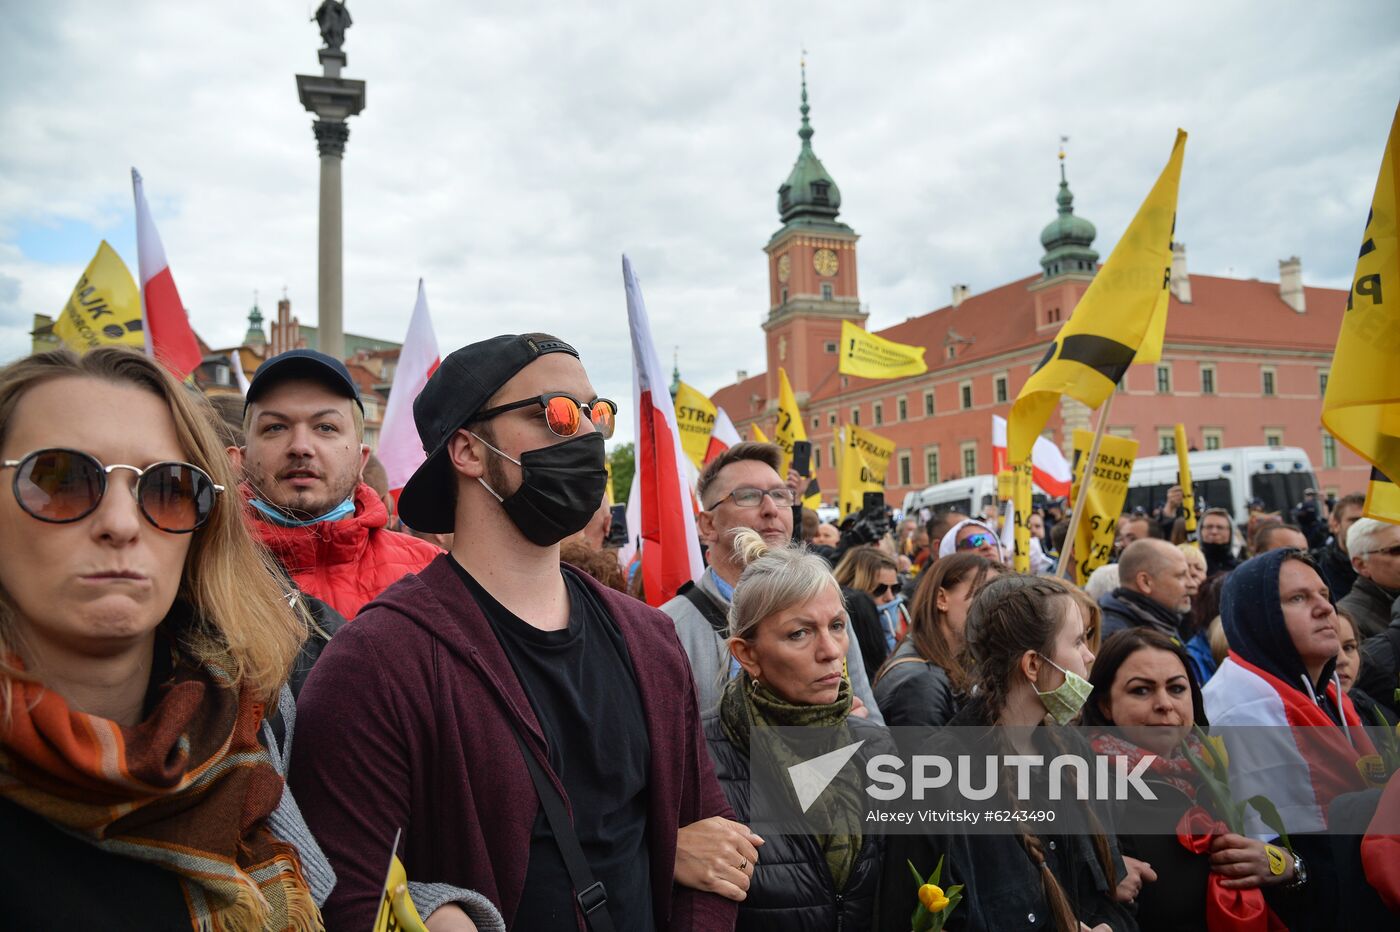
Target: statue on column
(334, 19)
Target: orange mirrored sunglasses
(564, 413)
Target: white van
(1227, 478)
(967, 496)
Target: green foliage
(624, 464)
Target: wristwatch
(1300, 873)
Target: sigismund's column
(333, 99)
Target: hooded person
(1281, 673)
(963, 537)
(534, 733)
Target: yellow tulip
(931, 895)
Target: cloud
(510, 152)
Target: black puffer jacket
(791, 888)
(912, 691)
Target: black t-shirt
(583, 690)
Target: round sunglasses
(564, 413)
(60, 486)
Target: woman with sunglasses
(878, 622)
(142, 637)
(972, 536)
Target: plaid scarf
(747, 702)
(189, 789)
(1175, 771)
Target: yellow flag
(789, 427)
(104, 308)
(1382, 498)
(1021, 479)
(865, 458)
(695, 417)
(758, 435)
(1122, 315)
(1108, 489)
(1188, 494)
(1362, 404)
(396, 910)
(872, 357)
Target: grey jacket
(1369, 606)
(709, 656)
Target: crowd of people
(231, 687)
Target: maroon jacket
(402, 724)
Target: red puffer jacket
(348, 562)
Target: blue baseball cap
(304, 364)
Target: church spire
(1067, 238)
(809, 191)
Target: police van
(1229, 478)
(967, 496)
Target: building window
(827, 293)
(928, 403)
(816, 457)
(902, 408)
(906, 470)
(1212, 437)
(1164, 380)
(1322, 382)
(830, 346)
(931, 465)
(855, 416)
(999, 389)
(1166, 440)
(1268, 377)
(877, 413)
(222, 374)
(1207, 380)
(1329, 449)
(831, 449)
(816, 422)
(952, 350)
(969, 458)
(965, 390)
(784, 297)
(831, 418)
(1273, 436)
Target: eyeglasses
(1388, 551)
(973, 541)
(782, 496)
(891, 588)
(61, 486)
(564, 413)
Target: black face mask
(560, 489)
(1216, 551)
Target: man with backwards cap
(303, 456)
(420, 714)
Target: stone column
(333, 99)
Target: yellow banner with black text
(1108, 489)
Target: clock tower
(811, 273)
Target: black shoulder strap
(591, 895)
(706, 606)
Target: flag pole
(1078, 513)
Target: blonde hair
(241, 619)
(860, 568)
(774, 579)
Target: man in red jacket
(304, 450)
(474, 696)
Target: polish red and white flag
(1049, 468)
(722, 436)
(400, 448)
(169, 337)
(670, 549)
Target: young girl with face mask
(1025, 639)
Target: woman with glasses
(972, 536)
(869, 581)
(788, 632)
(924, 682)
(142, 638)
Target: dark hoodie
(405, 722)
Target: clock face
(824, 261)
(784, 267)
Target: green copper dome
(809, 191)
(1067, 238)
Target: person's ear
(364, 458)
(941, 601)
(1030, 666)
(464, 455)
(236, 456)
(743, 651)
(705, 528)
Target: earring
(753, 686)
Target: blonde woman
(142, 637)
(788, 630)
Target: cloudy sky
(511, 151)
